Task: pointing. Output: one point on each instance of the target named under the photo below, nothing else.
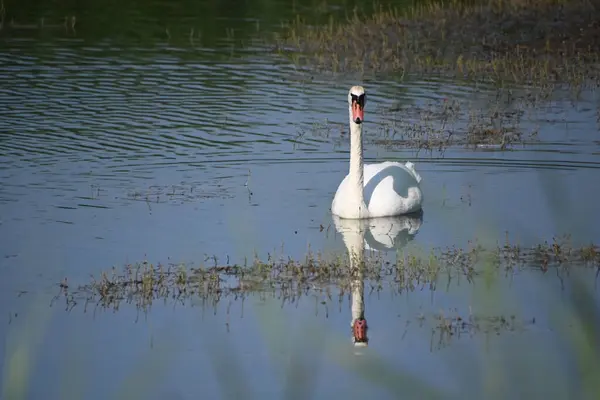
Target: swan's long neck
(356, 174)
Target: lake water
(122, 141)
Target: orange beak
(358, 113)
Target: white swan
(374, 190)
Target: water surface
(122, 142)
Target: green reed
(525, 41)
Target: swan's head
(357, 100)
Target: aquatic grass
(524, 41)
(180, 193)
(448, 327)
(274, 277)
(330, 277)
(444, 123)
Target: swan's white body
(374, 190)
(389, 189)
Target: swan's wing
(391, 188)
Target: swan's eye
(359, 99)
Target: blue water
(114, 154)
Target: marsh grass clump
(496, 130)
(525, 41)
(288, 280)
(501, 123)
(180, 193)
(426, 127)
(450, 326)
(444, 123)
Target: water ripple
(86, 103)
(76, 112)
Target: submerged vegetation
(440, 124)
(329, 281)
(288, 280)
(536, 42)
(526, 52)
(448, 326)
(443, 123)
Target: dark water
(162, 131)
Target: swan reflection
(380, 234)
